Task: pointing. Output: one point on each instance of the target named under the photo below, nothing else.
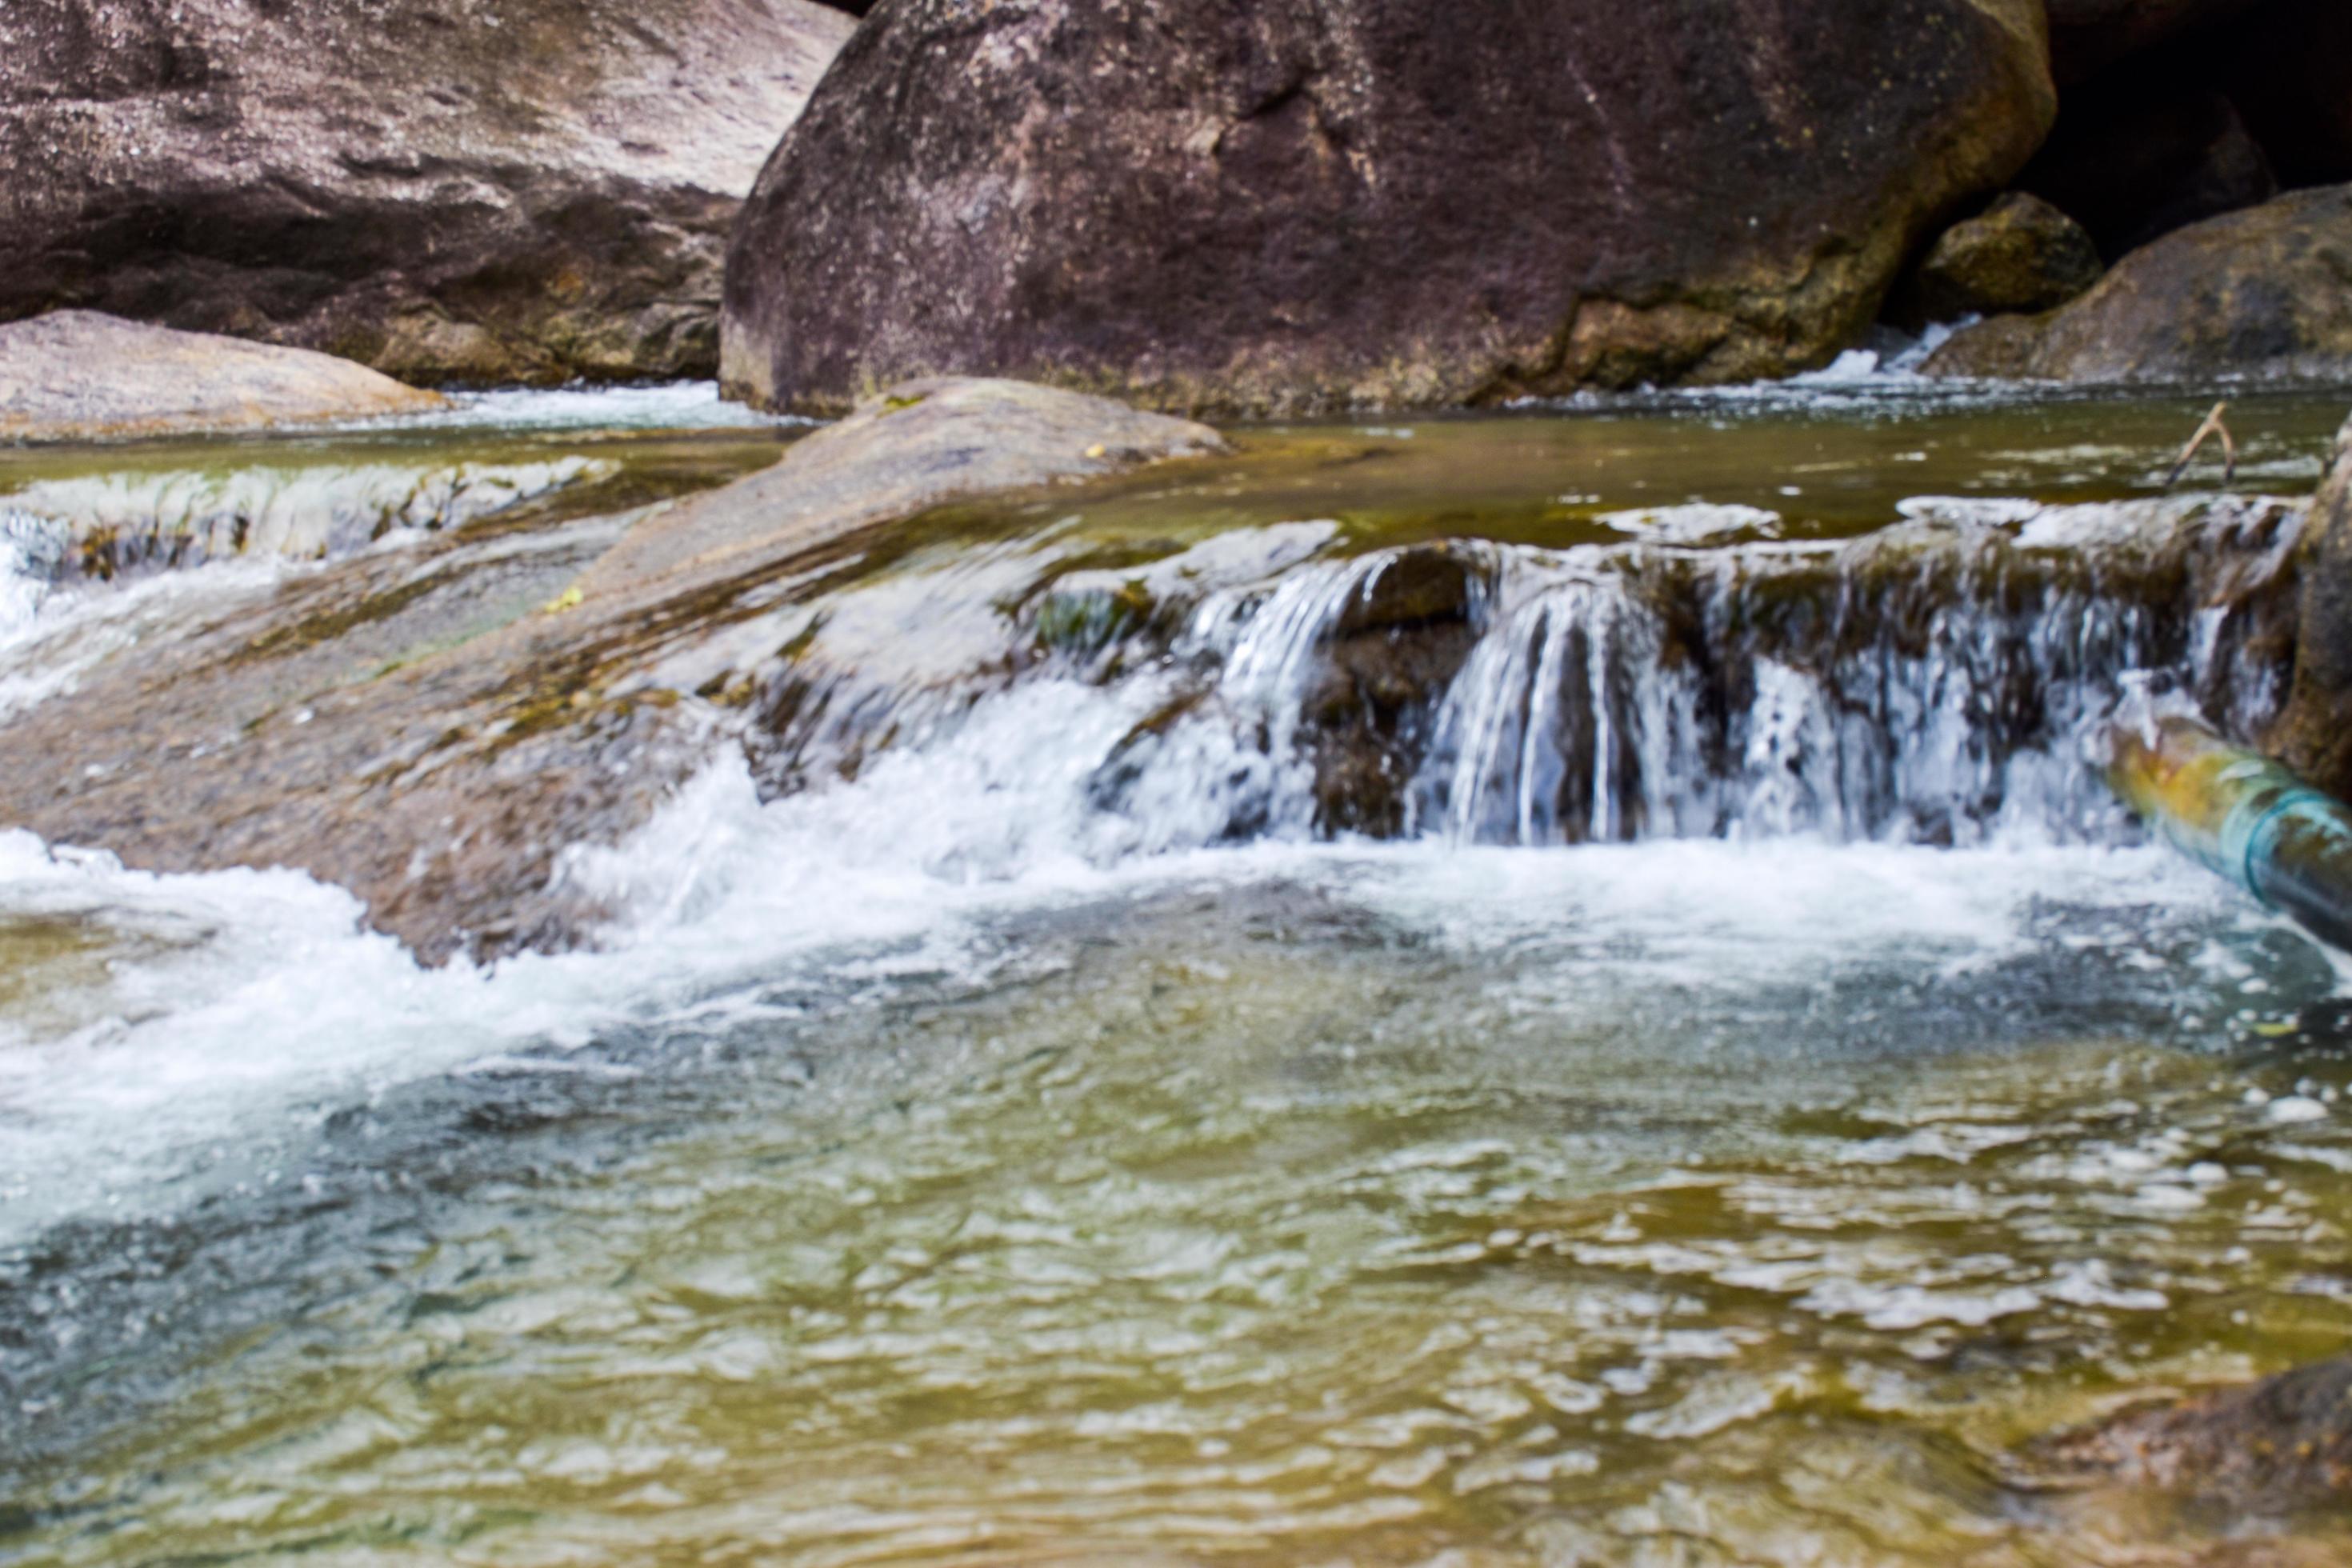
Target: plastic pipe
(2252, 820)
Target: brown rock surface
(510, 190)
(2315, 734)
(2259, 294)
(1299, 207)
(431, 727)
(2020, 255)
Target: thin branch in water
(2213, 426)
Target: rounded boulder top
(79, 376)
(1285, 210)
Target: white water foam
(259, 1003)
(663, 405)
(293, 511)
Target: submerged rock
(2282, 1444)
(2020, 255)
(512, 190)
(432, 728)
(78, 375)
(2257, 294)
(1292, 208)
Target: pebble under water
(952, 1164)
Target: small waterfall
(1934, 683)
(1554, 716)
(32, 553)
(126, 521)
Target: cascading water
(1935, 682)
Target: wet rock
(918, 444)
(2139, 154)
(1292, 208)
(2284, 1443)
(2315, 734)
(1394, 648)
(434, 727)
(2257, 294)
(514, 190)
(78, 375)
(2289, 79)
(2020, 256)
(2087, 36)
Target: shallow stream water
(957, 1159)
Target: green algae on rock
(2020, 255)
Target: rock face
(2258, 293)
(2020, 255)
(78, 375)
(1288, 208)
(429, 727)
(2289, 79)
(2315, 734)
(2139, 153)
(2284, 1443)
(2086, 35)
(511, 190)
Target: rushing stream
(1552, 988)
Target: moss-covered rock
(2018, 256)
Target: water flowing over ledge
(1933, 682)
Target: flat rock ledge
(333, 725)
(79, 376)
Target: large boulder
(78, 375)
(2257, 294)
(508, 190)
(1288, 208)
(432, 727)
